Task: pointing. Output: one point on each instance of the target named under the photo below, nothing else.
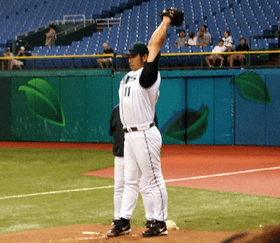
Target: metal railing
(108, 23)
(66, 19)
(198, 65)
(73, 18)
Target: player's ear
(144, 57)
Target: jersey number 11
(127, 91)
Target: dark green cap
(136, 48)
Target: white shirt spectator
(192, 42)
(218, 49)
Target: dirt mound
(97, 233)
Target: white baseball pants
(144, 189)
(142, 156)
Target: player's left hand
(175, 14)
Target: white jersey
(137, 104)
(227, 40)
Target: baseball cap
(8, 49)
(136, 48)
(229, 44)
(22, 47)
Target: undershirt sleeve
(150, 72)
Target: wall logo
(252, 87)
(187, 125)
(43, 101)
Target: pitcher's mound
(98, 233)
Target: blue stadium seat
(48, 63)
(28, 64)
(58, 63)
(67, 62)
(39, 64)
(78, 62)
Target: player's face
(135, 62)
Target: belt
(134, 129)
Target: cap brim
(126, 53)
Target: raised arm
(171, 16)
(158, 38)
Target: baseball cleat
(121, 228)
(157, 228)
(114, 222)
(149, 223)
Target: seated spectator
(106, 60)
(192, 40)
(50, 36)
(182, 40)
(227, 39)
(217, 49)
(242, 47)
(226, 56)
(20, 62)
(205, 32)
(8, 53)
(201, 39)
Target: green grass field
(35, 171)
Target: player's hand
(174, 14)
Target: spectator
(226, 56)
(201, 39)
(227, 39)
(107, 60)
(242, 47)
(20, 62)
(192, 40)
(207, 34)
(182, 40)
(51, 35)
(8, 53)
(217, 49)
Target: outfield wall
(194, 107)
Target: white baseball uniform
(142, 141)
(117, 132)
(144, 189)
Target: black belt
(134, 129)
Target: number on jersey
(127, 91)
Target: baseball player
(138, 94)
(116, 130)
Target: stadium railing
(169, 61)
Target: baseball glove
(175, 14)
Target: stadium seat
(49, 63)
(39, 64)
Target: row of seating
(118, 63)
